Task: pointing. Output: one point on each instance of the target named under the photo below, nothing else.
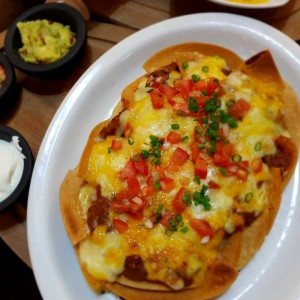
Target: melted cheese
(100, 254)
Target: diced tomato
(201, 168)
(133, 184)
(223, 154)
(180, 107)
(165, 219)
(195, 151)
(227, 150)
(178, 204)
(136, 215)
(116, 145)
(179, 157)
(213, 185)
(220, 160)
(168, 90)
(239, 109)
(157, 99)
(242, 174)
(173, 137)
(127, 130)
(125, 195)
(120, 225)
(120, 207)
(185, 86)
(256, 165)
(129, 170)
(213, 86)
(202, 227)
(201, 100)
(167, 184)
(140, 165)
(244, 164)
(201, 85)
(137, 203)
(148, 191)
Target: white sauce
(11, 166)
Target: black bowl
(6, 134)
(58, 12)
(8, 88)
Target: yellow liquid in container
(249, 1)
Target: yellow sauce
(249, 1)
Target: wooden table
(112, 22)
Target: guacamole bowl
(60, 13)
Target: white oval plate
(274, 272)
(270, 4)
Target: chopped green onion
(212, 104)
(223, 116)
(230, 102)
(158, 219)
(205, 69)
(108, 149)
(223, 171)
(130, 140)
(156, 161)
(214, 125)
(187, 197)
(156, 153)
(198, 130)
(204, 92)
(201, 146)
(236, 158)
(175, 126)
(195, 77)
(179, 221)
(202, 198)
(212, 133)
(157, 185)
(258, 146)
(185, 65)
(193, 105)
(155, 141)
(248, 197)
(204, 120)
(197, 179)
(184, 229)
(183, 139)
(135, 158)
(213, 118)
(232, 122)
(157, 209)
(145, 154)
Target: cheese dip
(12, 165)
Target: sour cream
(11, 166)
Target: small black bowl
(58, 12)
(6, 134)
(8, 88)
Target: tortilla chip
(217, 280)
(170, 54)
(70, 208)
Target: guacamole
(44, 41)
